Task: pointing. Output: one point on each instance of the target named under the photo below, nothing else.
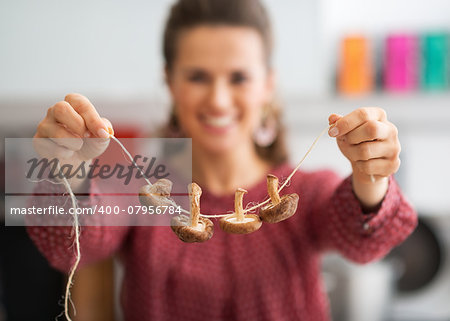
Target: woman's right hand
(65, 130)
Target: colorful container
(355, 71)
(435, 61)
(401, 63)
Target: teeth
(221, 121)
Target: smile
(219, 121)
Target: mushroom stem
(272, 188)
(194, 194)
(238, 209)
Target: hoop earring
(266, 133)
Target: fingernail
(102, 133)
(334, 132)
(87, 134)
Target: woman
(217, 62)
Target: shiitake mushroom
(279, 209)
(238, 223)
(193, 228)
(156, 194)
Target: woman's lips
(218, 124)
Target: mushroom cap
(203, 232)
(250, 224)
(157, 194)
(280, 212)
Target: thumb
(108, 125)
(94, 147)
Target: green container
(435, 61)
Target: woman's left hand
(369, 141)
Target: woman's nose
(220, 96)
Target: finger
(90, 115)
(379, 166)
(63, 113)
(60, 135)
(367, 150)
(333, 118)
(52, 129)
(369, 131)
(47, 148)
(355, 119)
(73, 144)
(93, 147)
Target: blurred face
(219, 82)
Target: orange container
(355, 71)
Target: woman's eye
(198, 77)
(238, 78)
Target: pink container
(401, 63)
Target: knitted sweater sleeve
(56, 243)
(337, 221)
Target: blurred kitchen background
(331, 57)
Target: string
(76, 225)
(141, 171)
(288, 179)
(131, 158)
(249, 209)
(76, 229)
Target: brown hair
(186, 14)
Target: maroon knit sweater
(271, 274)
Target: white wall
(112, 48)
(382, 16)
(51, 47)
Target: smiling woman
(219, 83)
(217, 66)
(223, 80)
